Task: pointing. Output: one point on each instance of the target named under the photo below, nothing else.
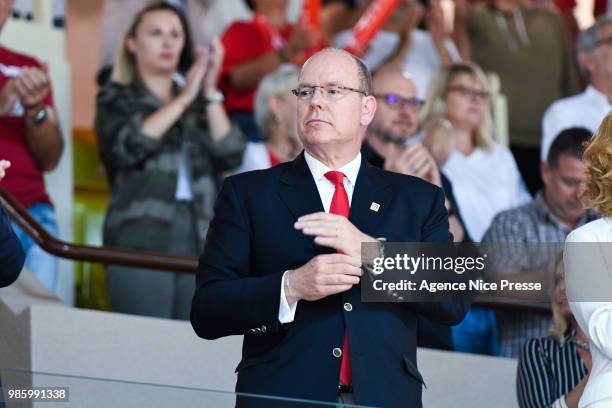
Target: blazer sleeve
(228, 300)
(12, 256)
(588, 275)
(436, 229)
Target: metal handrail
(163, 261)
(88, 253)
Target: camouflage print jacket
(143, 171)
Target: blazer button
(348, 307)
(337, 352)
(263, 329)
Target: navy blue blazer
(251, 242)
(12, 256)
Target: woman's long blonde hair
(435, 106)
(125, 69)
(598, 157)
(560, 323)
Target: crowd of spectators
(176, 112)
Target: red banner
(369, 24)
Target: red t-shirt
(244, 41)
(24, 179)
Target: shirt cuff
(286, 311)
(559, 403)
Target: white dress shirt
(484, 184)
(588, 280)
(585, 110)
(286, 312)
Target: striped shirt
(527, 237)
(547, 370)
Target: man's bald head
(336, 106)
(363, 73)
(395, 119)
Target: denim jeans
(42, 264)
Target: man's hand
(8, 97)
(322, 276)
(32, 86)
(302, 39)
(416, 161)
(334, 231)
(4, 164)
(435, 20)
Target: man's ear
(273, 105)
(545, 171)
(586, 61)
(368, 109)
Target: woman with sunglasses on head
(553, 370)
(165, 139)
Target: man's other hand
(333, 231)
(322, 276)
(4, 164)
(32, 86)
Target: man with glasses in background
(587, 109)
(392, 143)
(282, 261)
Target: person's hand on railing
(4, 164)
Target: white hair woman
(276, 118)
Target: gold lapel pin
(374, 207)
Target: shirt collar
(593, 92)
(318, 169)
(542, 208)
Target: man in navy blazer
(12, 256)
(283, 271)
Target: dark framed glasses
(396, 102)
(604, 41)
(468, 92)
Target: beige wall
(82, 44)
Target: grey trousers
(155, 293)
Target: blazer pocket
(413, 371)
(256, 360)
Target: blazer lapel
(371, 198)
(298, 189)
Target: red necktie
(340, 206)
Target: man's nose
(318, 98)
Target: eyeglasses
(465, 91)
(604, 41)
(396, 102)
(331, 92)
